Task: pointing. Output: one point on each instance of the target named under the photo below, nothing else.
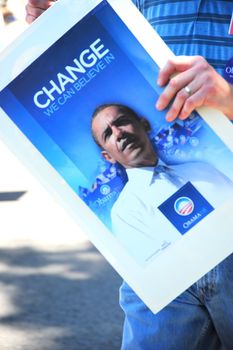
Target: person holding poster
(124, 138)
(198, 33)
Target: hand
(196, 84)
(35, 8)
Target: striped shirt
(188, 27)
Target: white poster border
(188, 259)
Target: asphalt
(56, 291)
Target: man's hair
(121, 109)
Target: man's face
(123, 138)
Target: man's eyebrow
(105, 132)
(119, 118)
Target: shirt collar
(135, 174)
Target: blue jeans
(201, 318)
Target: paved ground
(56, 290)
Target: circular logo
(105, 189)
(184, 206)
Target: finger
(175, 65)
(29, 19)
(177, 105)
(166, 72)
(42, 4)
(193, 102)
(174, 86)
(32, 13)
(183, 102)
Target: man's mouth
(129, 142)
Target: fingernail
(158, 105)
(169, 117)
(159, 82)
(182, 117)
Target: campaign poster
(99, 61)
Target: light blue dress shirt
(138, 223)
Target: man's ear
(145, 124)
(108, 157)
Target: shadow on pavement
(11, 196)
(57, 300)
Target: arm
(34, 8)
(207, 88)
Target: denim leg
(184, 324)
(220, 302)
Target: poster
(97, 55)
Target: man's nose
(117, 132)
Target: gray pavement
(56, 291)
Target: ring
(188, 90)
